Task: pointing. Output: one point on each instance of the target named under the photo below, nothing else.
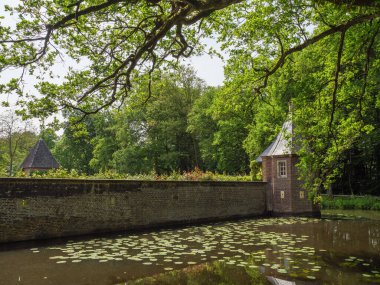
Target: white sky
(209, 68)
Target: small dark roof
(283, 144)
(40, 157)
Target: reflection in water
(214, 273)
(259, 251)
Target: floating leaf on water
(311, 277)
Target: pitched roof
(265, 152)
(283, 144)
(40, 157)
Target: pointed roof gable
(40, 157)
(283, 144)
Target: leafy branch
(342, 28)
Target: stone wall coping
(125, 181)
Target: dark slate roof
(40, 157)
(283, 144)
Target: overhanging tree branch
(116, 61)
(336, 79)
(333, 30)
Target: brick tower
(285, 195)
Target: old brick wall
(46, 208)
(267, 177)
(291, 186)
(300, 205)
(280, 184)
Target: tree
(331, 129)
(123, 39)
(74, 149)
(148, 134)
(151, 131)
(104, 143)
(219, 123)
(49, 136)
(203, 127)
(17, 137)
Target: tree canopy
(119, 40)
(321, 55)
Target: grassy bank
(352, 203)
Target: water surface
(340, 248)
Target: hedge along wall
(47, 208)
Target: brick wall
(46, 208)
(291, 186)
(300, 205)
(282, 205)
(267, 177)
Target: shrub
(352, 203)
(195, 175)
(376, 207)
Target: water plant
(249, 249)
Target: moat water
(341, 248)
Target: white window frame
(282, 169)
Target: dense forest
(130, 107)
(183, 125)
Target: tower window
(281, 169)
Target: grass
(352, 203)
